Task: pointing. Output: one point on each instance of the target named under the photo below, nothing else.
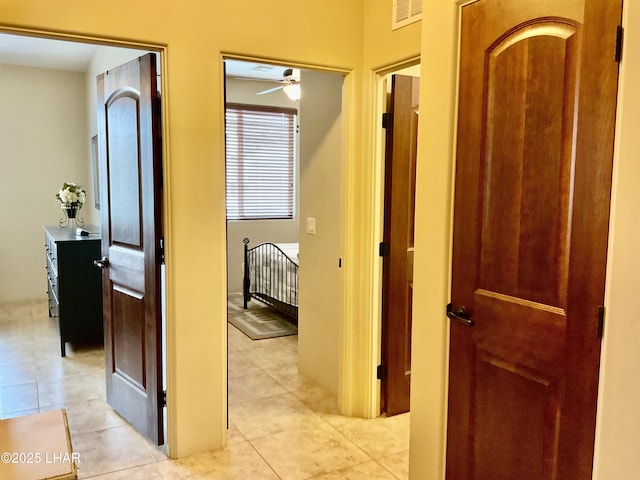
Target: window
(260, 162)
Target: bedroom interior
(318, 197)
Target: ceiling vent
(405, 12)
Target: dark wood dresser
(74, 284)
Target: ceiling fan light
(293, 91)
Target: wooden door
(130, 166)
(399, 211)
(537, 97)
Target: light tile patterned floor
(281, 425)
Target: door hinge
(600, 321)
(163, 399)
(381, 372)
(619, 41)
(162, 251)
(384, 249)
(387, 120)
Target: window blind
(260, 145)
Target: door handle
(102, 263)
(460, 315)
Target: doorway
(314, 221)
(399, 123)
(72, 162)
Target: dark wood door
(399, 213)
(130, 166)
(537, 98)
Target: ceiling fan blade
(270, 90)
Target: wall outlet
(311, 226)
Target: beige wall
(321, 198)
(42, 134)
(258, 231)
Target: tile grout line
(264, 459)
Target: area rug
(259, 321)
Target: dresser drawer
(54, 305)
(52, 285)
(51, 252)
(52, 268)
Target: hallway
(281, 425)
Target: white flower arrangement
(70, 194)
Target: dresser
(74, 284)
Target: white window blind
(260, 144)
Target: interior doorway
(52, 61)
(311, 227)
(398, 140)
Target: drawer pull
(102, 263)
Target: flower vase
(71, 218)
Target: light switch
(311, 226)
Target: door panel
(128, 326)
(399, 214)
(124, 168)
(516, 247)
(129, 128)
(528, 169)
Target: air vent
(405, 12)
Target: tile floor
(281, 425)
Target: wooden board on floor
(37, 447)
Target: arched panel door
(130, 167)
(537, 100)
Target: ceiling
(64, 55)
(253, 70)
(45, 53)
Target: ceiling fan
(290, 84)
